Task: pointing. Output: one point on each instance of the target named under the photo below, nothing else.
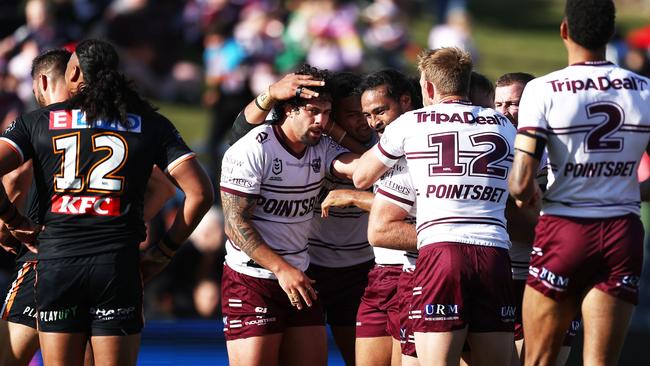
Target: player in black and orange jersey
(92, 158)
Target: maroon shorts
(378, 314)
(519, 286)
(255, 307)
(405, 293)
(340, 290)
(572, 255)
(458, 285)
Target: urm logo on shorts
(441, 309)
(554, 281)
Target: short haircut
(54, 61)
(514, 78)
(448, 68)
(480, 84)
(397, 84)
(591, 22)
(324, 92)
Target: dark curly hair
(590, 22)
(324, 92)
(105, 93)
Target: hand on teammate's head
(285, 88)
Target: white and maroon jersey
(341, 239)
(596, 118)
(520, 251)
(459, 156)
(396, 187)
(286, 187)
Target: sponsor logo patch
(76, 119)
(86, 205)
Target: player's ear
(564, 29)
(76, 74)
(43, 80)
(405, 102)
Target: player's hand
(7, 241)
(152, 261)
(336, 198)
(297, 285)
(26, 232)
(285, 88)
(535, 202)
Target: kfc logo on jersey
(277, 166)
(86, 205)
(76, 119)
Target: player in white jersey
(339, 253)
(385, 96)
(592, 117)
(458, 156)
(269, 186)
(392, 220)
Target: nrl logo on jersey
(315, 165)
(277, 166)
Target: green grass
(192, 121)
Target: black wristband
(260, 107)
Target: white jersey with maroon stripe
(397, 188)
(459, 156)
(286, 187)
(596, 118)
(341, 239)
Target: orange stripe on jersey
(11, 297)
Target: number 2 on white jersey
(101, 176)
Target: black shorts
(340, 290)
(19, 306)
(98, 294)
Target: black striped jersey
(91, 179)
(458, 156)
(596, 119)
(286, 188)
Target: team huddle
(452, 222)
(436, 220)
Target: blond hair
(448, 68)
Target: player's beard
(308, 139)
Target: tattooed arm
(238, 212)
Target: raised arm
(387, 227)
(238, 212)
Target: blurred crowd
(221, 53)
